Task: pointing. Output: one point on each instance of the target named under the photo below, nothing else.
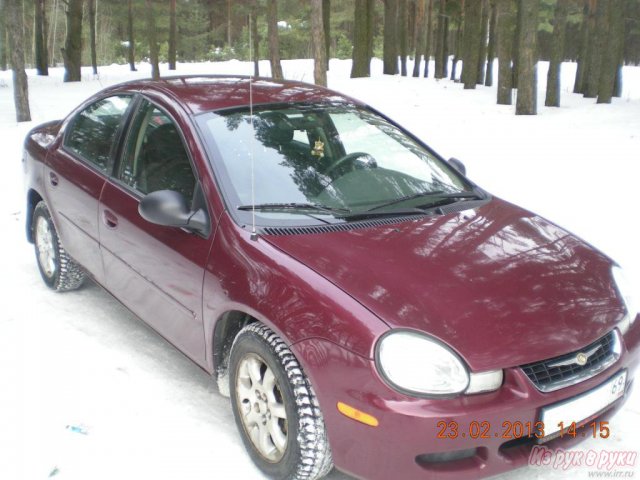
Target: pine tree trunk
(326, 21)
(13, 11)
(445, 47)
(491, 52)
(390, 38)
(472, 17)
(411, 27)
(3, 35)
(153, 43)
(613, 45)
(213, 10)
(617, 84)
(131, 49)
(526, 102)
(578, 85)
(72, 51)
(552, 98)
(429, 43)
(440, 43)
(516, 45)
(419, 34)
(318, 44)
(45, 33)
(458, 52)
(505, 27)
(92, 35)
(40, 39)
(403, 18)
(274, 46)
(482, 52)
(52, 34)
(596, 46)
(172, 35)
(229, 23)
(255, 38)
(371, 9)
(360, 66)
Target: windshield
(339, 157)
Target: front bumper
(406, 443)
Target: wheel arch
(226, 328)
(224, 333)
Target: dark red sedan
(362, 302)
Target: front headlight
(624, 289)
(416, 363)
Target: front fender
(258, 279)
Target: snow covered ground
(142, 410)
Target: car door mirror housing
(458, 165)
(169, 208)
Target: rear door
(154, 270)
(76, 171)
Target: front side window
(155, 157)
(342, 157)
(93, 131)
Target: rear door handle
(109, 219)
(53, 179)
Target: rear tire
(275, 408)
(59, 272)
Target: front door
(154, 270)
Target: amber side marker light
(357, 415)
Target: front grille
(559, 372)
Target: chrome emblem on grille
(581, 359)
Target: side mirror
(458, 165)
(169, 208)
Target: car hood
(500, 285)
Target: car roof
(205, 93)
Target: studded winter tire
(58, 270)
(275, 408)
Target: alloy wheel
(262, 408)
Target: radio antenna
(254, 234)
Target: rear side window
(93, 131)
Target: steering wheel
(352, 157)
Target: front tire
(275, 408)
(58, 270)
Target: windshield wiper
(437, 193)
(275, 207)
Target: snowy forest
(463, 37)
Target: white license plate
(582, 407)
